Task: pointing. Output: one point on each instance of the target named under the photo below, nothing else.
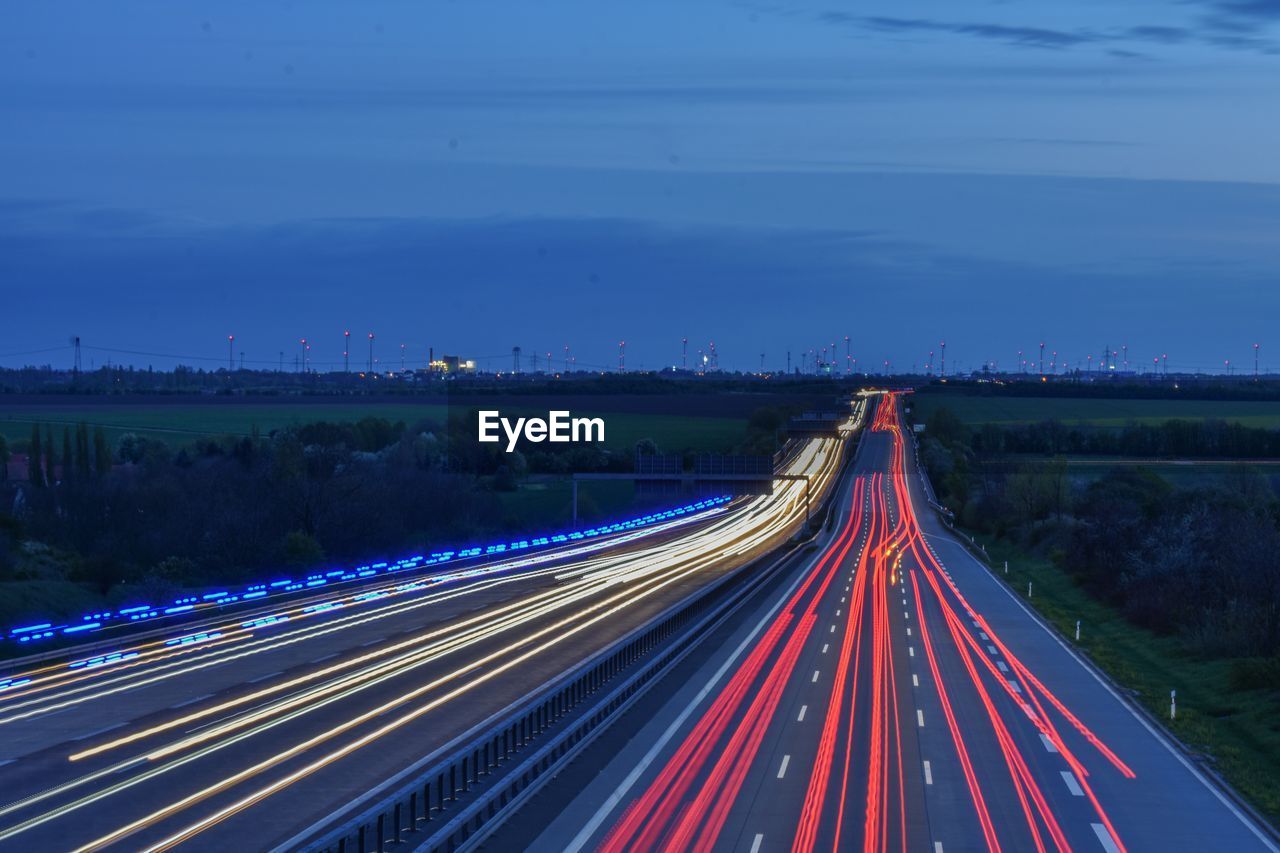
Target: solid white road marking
(192, 701)
(782, 769)
(262, 677)
(1048, 744)
(1108, 843)
(1072, 785)
(803, 708)
(928, 774)
(101, 731)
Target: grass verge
(1236, 731)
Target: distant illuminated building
(452, 365)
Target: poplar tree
(35, 473)
(66, 455)
(50, 460)
(101, 452)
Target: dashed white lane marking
(842, 599)
(911, 650)
(906, 615)
(755, 842)
(804, 708)
(782, 769)
(1108, 843)
(815, 676)
(937, 847)
(825, 646)
(908, 632)
(904, 602)
(324, 658)
(928, 774)
(837, 612)
(1072, 785)
(919, 718)
(7, 762)
(372, 642)
(101, 731)
(915, 680)
(263, 677)
(1016, 687)
(983, 635)
(193, 700)
(1048, 744)
(1002, 666)
(992, 650)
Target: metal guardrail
(508, 761)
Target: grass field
(976, 409)
(1239, 729)
(180, 423)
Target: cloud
(1243, 17)
(1021, 36)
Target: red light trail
(860, 747)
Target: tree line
(1195, 561)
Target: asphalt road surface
(251, 730)
(892, 694)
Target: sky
(473, 175)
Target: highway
(891, 694)
(254, 729)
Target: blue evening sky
(477, 174)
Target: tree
(66, 455)
(35, 470)
(101, 452)
(50, 472)
(84, 466)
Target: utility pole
(515, 360)
(402, 358)
(1042, 358)
(848, 357)
(371, 352)
(302, 355)
(346, 351)
(1125, 347)
(762, 362)
(231, 359)
(684, 353)
(943, 346)
(75, 365)
(1255, 362)
(788, 362)
(622, 356)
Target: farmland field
(976, 409)
(675, 423)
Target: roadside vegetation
(87, 520)
(1176, 585)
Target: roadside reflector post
(1028, 589)
(1077, 630)
(1173, 704)
(1006, 567)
